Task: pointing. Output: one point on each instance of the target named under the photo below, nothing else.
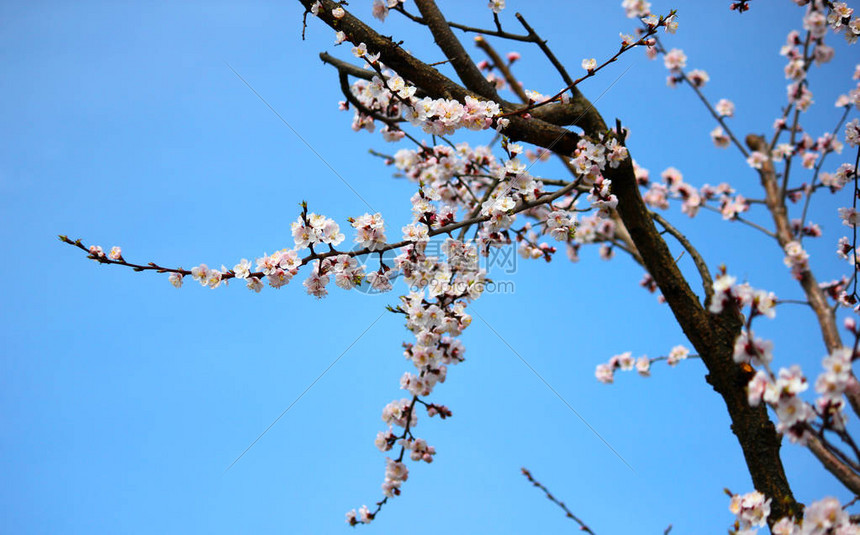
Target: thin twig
(545, 49)
(794, 129)
(555, 500)
(707, 104)
(739, 219)
(447, 229)
(557, 97)
(707, 281)
(463, 27)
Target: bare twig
(707, 104)
(463, 27)
(553, 499)
(535, 38)
(836, 467)
(701, 266)
(445, 39)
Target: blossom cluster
(589, 160)
(390, 98)
(605, 373)
(454, 179)
(809, 152)
(381, 7)
(473, 180)
(672, 186)
(752, 511)
(782, 391)
(795, 415)
(436, 314)
(658, 194)
(782, 394)
(796, 258)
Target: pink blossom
(852, 133)
(754, 350)
(752, 509)
(720, 138)
(604, 373)
(675, 59)
(698, 77)
(497, 5)
(636, 8)
(756, 388)
(757, 159)
(677, 354)
(175, 279)
(380, 9)
(725, 108)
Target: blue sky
(124, 400)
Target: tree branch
(463, 27)
(833, 465)
(776, 205)
(582, 526)
(500, 64)
(466, 69)
(707, 281)
(437, 85)
(712, 336)
(536, 39)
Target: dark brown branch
(707, 281)
(535, 38)
(437, 85)
(445, 39)
(349, 68)
(713, 337)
